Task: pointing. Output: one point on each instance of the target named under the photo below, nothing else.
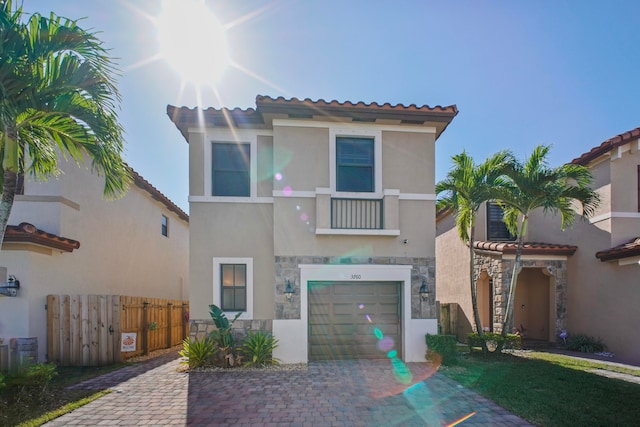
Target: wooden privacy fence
(87, 330)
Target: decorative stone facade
(201, 328)
(500, 270)
(286, 268)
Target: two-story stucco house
(316, 220)
(583, 280)
(63, 237)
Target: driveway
(346, 393)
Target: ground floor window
(233, 285)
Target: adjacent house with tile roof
(316, 221)
(64, 238)
(584, 280)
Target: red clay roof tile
(157, 195)
(529, 248)
(607, 146)
(625, 250)
(28, 233)
(184, 117)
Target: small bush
(2, 382)
(258, 348)
(585, 344)
(197, 352)
(443, 345)
(494, 339)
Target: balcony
(357, 216)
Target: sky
(522, 73)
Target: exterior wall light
(288, 291)
(10, 288)
(424, 291)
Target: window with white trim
(233, 285)
(355, 161)
(230, 169)
(355, 167)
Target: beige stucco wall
(408, 162)
(452, 267)
(122, 250)
(243, 230)
(301, 155)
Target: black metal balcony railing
(360, 214)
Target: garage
(354, 320)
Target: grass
(581, 364)
(557, 392)
(33, 409)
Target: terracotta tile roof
(529, 248)
(157, 195)
(607, 146)
(184, 117)
(625, 250)
(28, 233)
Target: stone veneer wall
(201, 328)
(501, 270)
(286, 267)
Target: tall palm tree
(466, 187)
(532, 185)
(57, 95)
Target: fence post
(145, 328)
(170, 324)
(185, 322)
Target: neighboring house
(332, 201)
(583, 280)
(64, 238)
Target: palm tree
(467, 186)
(532, 185)
(57, 95)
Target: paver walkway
(347, 393)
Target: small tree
(57, 94)
(466, 187)
(532, 185)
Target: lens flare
(288, 191)
(278, 176)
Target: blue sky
(522, 73)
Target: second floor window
(496, 228)
(355, 170)
(165, 226)
(230, 171)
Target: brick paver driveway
(349, 393)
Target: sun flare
(193, 41)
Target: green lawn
(555, 392)
(31, 409)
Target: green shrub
(494, 341)
(585, 344)
(443, 345)
(258, 347)
(2, 382)
(197, 352)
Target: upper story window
(165, 226)
(230, 172)
(355, 167)
(355, 159)
(496, 228)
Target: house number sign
(356, 277)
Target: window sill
(218, 199)
(356, 232)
